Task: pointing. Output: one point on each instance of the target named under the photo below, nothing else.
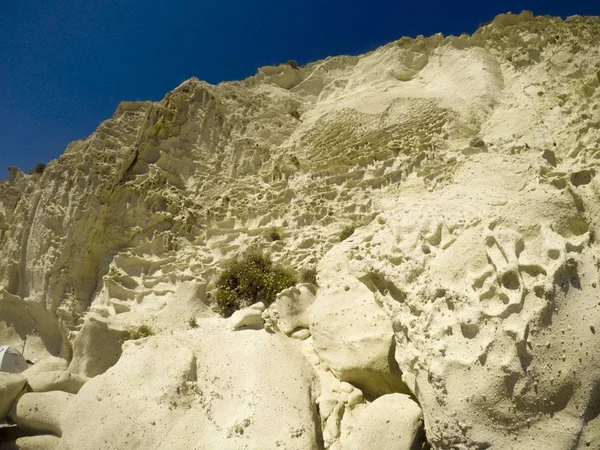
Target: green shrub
(293, 64)
(251, 279)
(193, 323)
(309, 276)
(347, 232)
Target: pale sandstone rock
(47, 364)
(391, 422)
(39, 413)
(468, 166)
(60, 380)
(245, 318)
(206, 388)
(96, 348)
(293, 307)
(352, 334)
(11, 385)
(42, 442)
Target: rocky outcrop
(445, 190)
(41, 442)
(392, 422)
(60, 380)
(11, 385)
(38, 413)
(206, 388)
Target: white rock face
(60, 380)
(392, 422)
(206, 388)
(467, 167)
(11, 385)
(40, 412)
(41, 442)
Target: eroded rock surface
(11, 385)
(446, 191)
(207, 388)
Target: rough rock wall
(469, 166)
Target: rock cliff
(462, 311)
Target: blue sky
(65, 64)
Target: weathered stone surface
(46, 364)
(180, 392)
(293, 307)
(352, 334)
(39, 413)
(42, 442)
(11, 384)
(391, 422)
(60, 380)
(446, 190)
(96, 348)
(248, 318)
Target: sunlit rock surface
(468, 167)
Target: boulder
(248, 318)
(58, 380)
(391, 422)
(47, 364)
(40, 412)
(203, 388)
(354, 337)
(96, 348)
(11, 385)
(293, 307)
(42, 442)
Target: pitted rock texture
(468, 167)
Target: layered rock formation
(463, 308)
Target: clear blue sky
(65, 64)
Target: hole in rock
(553, 254)
(510, 280)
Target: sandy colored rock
(43, 442)
(247, 318)
(292, 307)
(445, 188)
(179, 393)
(391, 422)
(96, 348)
(47, 364)
(352, 334)
(39, 413)
(11, 385)
(60, 380)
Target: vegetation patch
(251, 279)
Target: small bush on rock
(293, 64)
(253, 278)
